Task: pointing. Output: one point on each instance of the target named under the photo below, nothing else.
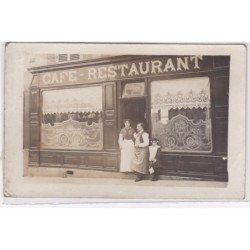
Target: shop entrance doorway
(135, 110)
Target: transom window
(136, 89)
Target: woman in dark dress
(140, 160)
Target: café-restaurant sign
(138, 68)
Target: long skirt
(127, 153)
(140, 160)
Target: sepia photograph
(124, 125)
(133, 123)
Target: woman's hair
(141, 124)
(127, 120)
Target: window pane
(72, 119)
(180, 114)
(134, 89)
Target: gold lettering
(112, 71)
(47, 78)
(181, 63)
(122, 67)
(156, 65)
(196, 61)
(169, 65)
(72, 76)
(146, 71)
(92, 73)
(133, 70)
(62, 74)
(54, 78)
(102, 72)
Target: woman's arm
(120, 140)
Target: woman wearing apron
(141, 152)
(126, 144)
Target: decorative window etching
(180, 114)
(134, 89)
(72, 119)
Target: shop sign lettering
(163, 65)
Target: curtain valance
(181, 93)
(88, 99)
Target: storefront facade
(76, 111)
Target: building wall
(208, 166)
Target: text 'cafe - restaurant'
(76, 110)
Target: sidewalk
(101, 177)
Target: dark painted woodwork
(74, 159)
(34, 118)
(220, 94)
(197, 166)
(109, 116)
(203, 166)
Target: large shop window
(180, 113)
(72, 119)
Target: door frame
(124, 100)
(145, 96)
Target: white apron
(127, 153)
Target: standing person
(154, 159)
(140, 160)
(126, 144)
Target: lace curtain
(181, 93)
(72, 119)
(72, 100)
(180, 114)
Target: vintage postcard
(125, 122)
